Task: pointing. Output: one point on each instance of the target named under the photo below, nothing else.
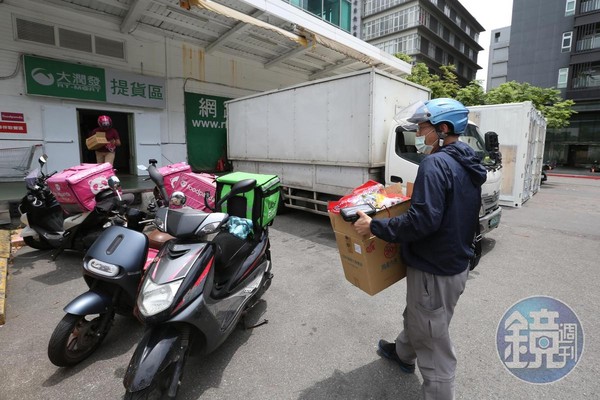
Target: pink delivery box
(75, 188)
(172, 175)
(194, 185)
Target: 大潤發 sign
(47, 77)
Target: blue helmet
(441, 110)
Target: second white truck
(326, 137)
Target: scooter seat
(230, 253)
(158, 238)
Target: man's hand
(363, 224)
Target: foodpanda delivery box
(172, 174)
(370, 263)
(259, 205)
(75, 188)
(194, 185)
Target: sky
(491, 15)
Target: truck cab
(402, 163)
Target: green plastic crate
(259, 205)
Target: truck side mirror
(492, 146)
(491, 142)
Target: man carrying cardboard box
(106, 153)
(436, 234)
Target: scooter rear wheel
(76, 337)
(38, 244)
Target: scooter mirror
(114, 182)
(177, 199)
(43, 159)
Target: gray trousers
(430, 302)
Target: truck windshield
(405, 145)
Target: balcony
(589, 6)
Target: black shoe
(388, 350)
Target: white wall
(184, 65)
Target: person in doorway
(106, 153)
(436, 235)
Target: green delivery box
(259, 205)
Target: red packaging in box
(75, 188)
(172, 175)
(194, 185)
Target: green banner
(206, 131)
(48, 77)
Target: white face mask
(421, 146)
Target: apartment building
(557, 44)
(498, 57)
(434, 32)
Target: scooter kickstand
(245, 312)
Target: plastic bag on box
(370, 192)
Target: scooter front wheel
(76, 337)
(157, 390)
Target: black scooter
(112, 272)
(47, 227)
(194, 292)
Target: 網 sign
(206, 130)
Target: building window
(570, 8)
(373, 6)
(405, 44)
(567, 38)
(395, 22)
(588, 6)
(563, 73)
(586, 75)
(337, 12)
(589, 37)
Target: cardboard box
(97, 141)
(369, 263)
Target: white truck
(324, 138)
(521, 130)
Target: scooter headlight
(154, 298)
(101, 268)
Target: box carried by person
(369, 263)
(96, 141)
(259, 205)
(75, 188)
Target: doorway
(88, 120)
(578, 155)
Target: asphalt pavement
(322, 332)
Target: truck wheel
(75, 338)
(281, 208)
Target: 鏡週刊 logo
(540, 340)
